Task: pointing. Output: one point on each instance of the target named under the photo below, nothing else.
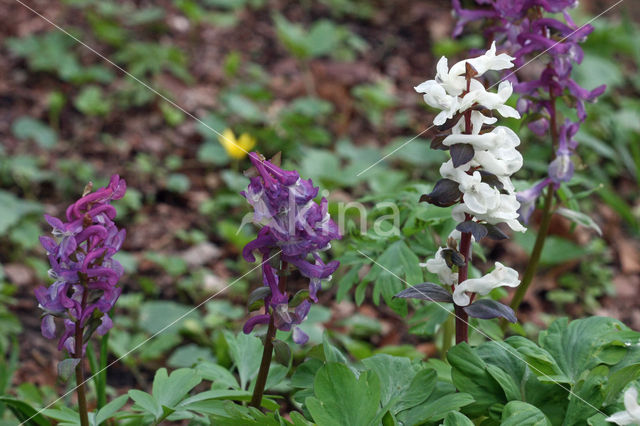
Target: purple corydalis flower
(82, 266)
(528, 198)
(297, 228)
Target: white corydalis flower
(479, 95)
(435, 96)
(501, 276)
(453, 80)
(631, 413)
(438, 266)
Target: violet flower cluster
(295, 227)
(525, 29)
(82, 265)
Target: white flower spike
(485, 195)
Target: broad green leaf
(92, 101)
(246, 352)
(583, 344)
(437, 407)
(111, 408)
(165, 316)
(619, 379)
(24, 411)
(168, 390)
(469, 374)
(518, 413)
(65, 415)
(12, 209)
(331, 353)
(539, 360)
(305, 373)
(342, 399)
(189, 356)
(514, 373)
(587, 396)
(146, 402)
(419, 390)
(396, 375)
(220, 376)
(456, 419)
(394, 270)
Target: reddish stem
(80, 388)
(267, 354)
(462, 319)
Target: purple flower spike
(295, 227)
(82, 264)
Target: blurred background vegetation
(328, 83)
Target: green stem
(93, 366)
(80, 388)
(447, 335)
(532, 266)
(547, 212)
(102, 371)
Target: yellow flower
(237, 148)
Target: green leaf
(619, 379)
(282, 352)
(305, 373)
(396, 375)
(165, 316)
(518, 413)
(331, 353)
(457, 419)
(583, 344)
(243, 107)
(24, 411)
(92, 101)
(469, 374)
(66, 415)
(398, 260)
(343, 399)
(111, 408)
(437, 407)
(539, 360)
(245, 351)
(178, 182)
(292, 36)
(146, 402)
(513, 372)
(12, 209)
(168, 390)
(587, 396)
(579, 218)
(189, 356)
(220, 376)
(30, 128)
